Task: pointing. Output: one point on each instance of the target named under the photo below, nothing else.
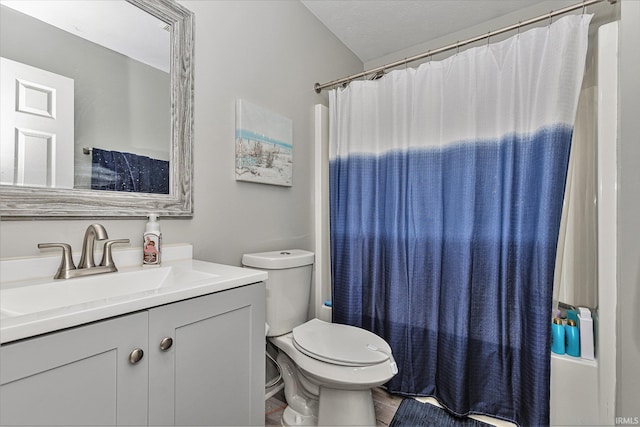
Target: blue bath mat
(412, 413)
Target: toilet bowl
(337, 380)
(328, 369)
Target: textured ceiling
(375, 28)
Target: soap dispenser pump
(152, 239)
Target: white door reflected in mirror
(37, 126)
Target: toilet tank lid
(277, 260)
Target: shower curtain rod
(376, 71)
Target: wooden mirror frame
(33, 202)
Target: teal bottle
(573, 338)
(572, 315)
(557, 336)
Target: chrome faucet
(94, 232)
(87, 266)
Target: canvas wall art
(264, 145)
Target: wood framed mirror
(24, 200)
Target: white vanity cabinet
(79, 376)
(213, 374)
(202, 364)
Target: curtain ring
(583, 7)
(488, 37)
(550, 17)
(458, 47)
(519, 24)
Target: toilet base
(337, 408)
(313, 404)
(346, 407)
(291, 417)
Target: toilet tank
(288, 286)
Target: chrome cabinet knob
(135, 356)
(166, 343)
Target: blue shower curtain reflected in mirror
(446, 186)
(120, 171)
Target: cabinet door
(214, 372)
(79, 376)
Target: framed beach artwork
(264, 145)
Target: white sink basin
(32, 303)
(110, 286)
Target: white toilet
(328, 369)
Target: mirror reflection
(86, 96)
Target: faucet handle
(66, 264)
(107, 257)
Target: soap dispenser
(152, 239)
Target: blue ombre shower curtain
(446, 186)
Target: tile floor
(385, 405)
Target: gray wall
(269, 53)
(628, 336)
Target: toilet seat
(331, 374)
(340, 344)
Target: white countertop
(207, 278)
